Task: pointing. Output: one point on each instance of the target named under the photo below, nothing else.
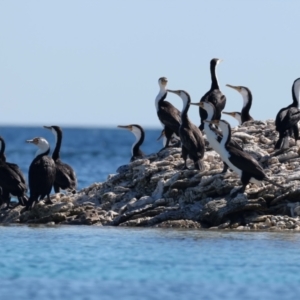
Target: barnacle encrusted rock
(156, 191)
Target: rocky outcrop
(155, 191)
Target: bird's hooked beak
(128, 127)
(212, 121)
(174, 92)
(197, 104)
(237, 88)
(48, 127)
(33, 141)
(228, 113)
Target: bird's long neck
(42, 151)
(295, 94)
(226, 130)
(210, 112)
(186, 105)
(139, 139)
(2, 150)
(58, 139)
(160, 97)
(214, 79)
(246, 107)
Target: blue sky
(96, 63)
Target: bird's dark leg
(184, 154)
(296, 133)
(225, 168)
(31, 202)
(168, 133)
(56, 188)
(48, 200)
(245, 179)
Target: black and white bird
(139, 134)
(214, 95)
(213, 135)
(287, 119)
(190, 135)
(65, 177)
(41, 173)
(244, 115)
(12, 180)
(242, 163)
(167, 113)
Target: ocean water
(81, 262)
(123, 263)
(92, 152)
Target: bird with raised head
(41, 173)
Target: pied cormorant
(41, 173)
(168, 115)
(239, 161)
(214, 95)
(244, 115)
(65, 177)
(287, 118)
(190, 135)
(12, 180)
(139, 134)
(213, 135)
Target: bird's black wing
(18, 171)
(246, 162)
(41, 174)
(169, 116)
(65, 176)
(192, 139)
(287, 118)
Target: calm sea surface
(112, 263)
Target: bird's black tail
(274, 183)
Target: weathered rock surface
(155, 191)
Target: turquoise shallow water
(109, 263)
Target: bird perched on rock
(65, 177)
(239, 161)
(12, 180)
(190, 135)
(214, 95)
(287, 119)
(41, 173)
(168, 115)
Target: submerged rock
(155, 191)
